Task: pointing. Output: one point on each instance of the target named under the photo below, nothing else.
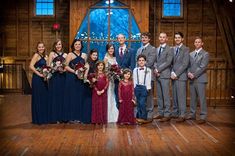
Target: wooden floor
(19, 137)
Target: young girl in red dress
(99, 95)
(126, 99)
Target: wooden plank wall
(21, 29)
(198, 20)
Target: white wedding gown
(112, 108)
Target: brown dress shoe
(158, 117)
(165, 119)
(143, 121)
(180, 119)
(190, 118)
(201, 121)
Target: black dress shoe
(174, 117)
(201, 121)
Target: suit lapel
(177, 56)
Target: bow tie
(141, 68)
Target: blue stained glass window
(172, 8)
(119, 21)
(103, 22)
(44, 7)
(99, 23)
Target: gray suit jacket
(150, 53)
(198, 65)
(163, 63)
(181, 62)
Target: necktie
(159, 52)
(195, 56)
(143, 49)
(121, 52)
(141, 68)
(177, 51)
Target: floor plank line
(206, 133)
(24, 151)
(177, 130)
(213, 126)
(129, 138)
(178, 148)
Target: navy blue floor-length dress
(87, 105)
(73, 93)
(56, 94)
(39, 107)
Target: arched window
(172, 8)
(103, 22)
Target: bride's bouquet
(114, 72)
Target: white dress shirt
(123, 49)
(141, 74)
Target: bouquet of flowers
(46, 71)
(114, 72)
(92, 79)
(80, 70)
(58, 64)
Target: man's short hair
(146, 34)
(180, 33)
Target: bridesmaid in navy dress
(91, 66)
(74, 87)
(39, 105)
(57, 83)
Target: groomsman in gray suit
(199, 60)
(179, 77)
(162, 70)
(150, 52)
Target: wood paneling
(22, 29)
(199, 20)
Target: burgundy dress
(126, 109)
(100, 102)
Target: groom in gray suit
(150, 52)
(199, 60)
(162, 70)
(179, 77)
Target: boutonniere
(126, 51)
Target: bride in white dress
(109, 59)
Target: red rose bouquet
(80, 70)
(58, 64)
(114, 72)
(46, 71)
(92, 79)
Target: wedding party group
(77, 87)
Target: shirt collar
(123, 48)
(163, 45)
(141, 67)
(179, 46)
(145, 45)
(197, 51)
